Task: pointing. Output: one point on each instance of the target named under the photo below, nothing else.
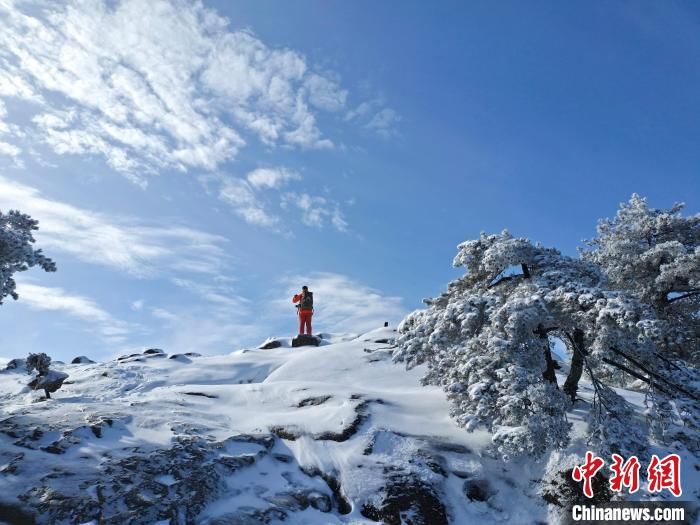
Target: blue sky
(191, 165)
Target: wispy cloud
(219, 294)
(6, 149)
(375, 116)
(148, 85)
(82, 308)
(241, 197)
(125, 244)
(316, 211)
(341, 303)
(249, 198)
(271, 177)
(384, 122)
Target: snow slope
(312, 435)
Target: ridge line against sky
(192, 164)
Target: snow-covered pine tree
(17, 253)
(486, 342)
(654, 254)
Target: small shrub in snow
(44, 378)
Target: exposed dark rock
(432, 461)
(121, 358)
(284, 458)
(563, 491)
(248, 516)
(444, 446)
(98, 425)
(350, 430)
(16, 514)
(131, 490)
(11, 462)
(406, 499)
(285, 433)
(210, 396)
(305, 340)
(14, 364)
(269, 345)
(152, 351)
(478, 489)
(181, 357)
(342, 503)
(319, 501)
(313, 401)
(81, 360)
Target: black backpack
(307, 302)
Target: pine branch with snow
(17, 253)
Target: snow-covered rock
(17, 363)
(48, 382)
(305, 340)
(334, 434)
(82, 360)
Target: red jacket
(296, 299)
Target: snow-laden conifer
(654, 254)
(486, 341)
(17, 253)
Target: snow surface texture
(311, 435)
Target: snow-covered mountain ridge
(312, 435)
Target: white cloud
(9, 149)
(6, 148)
(271, 177)
(128, 245)
(247, 198)
(384, 122)
(375, 116)
(342, 304)
(316, 211)
(79, 307)
(164, 315)
(325, 93)
(218, 294)
(238, 194)
(137, 305)
(158, 83)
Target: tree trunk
(548, 373)
(526, 271)
(578, 355)
(543, 332)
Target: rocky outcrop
(405, 494)
(305, 340)
(144, 485)
(15, 364)
(82, 360)
(49, 382)
(270, 344)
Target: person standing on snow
(305, 309)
